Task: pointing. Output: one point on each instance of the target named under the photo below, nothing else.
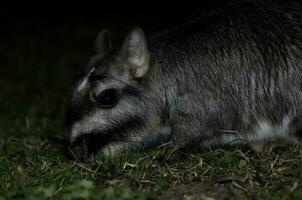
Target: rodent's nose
(78, 150)
(75, 153)
(85, 146)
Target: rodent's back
(261, 31)
(247, 53)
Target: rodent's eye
(106, 99)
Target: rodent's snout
(78, 150)
(83, 147)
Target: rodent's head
(109, 108)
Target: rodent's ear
(135, 53)
(103, 41)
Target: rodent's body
(234, 76)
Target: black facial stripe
(95, 77)
(133, 91)
(104, 78)
(76, 112)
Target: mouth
(78, 150)
(85, 146)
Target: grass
(35, 82)
(33, 166)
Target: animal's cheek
(114, 149)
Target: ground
(34, 167)
(35, 80)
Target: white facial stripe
(91, 71)
(84, 82)
(102, 87)
(85, 126)
(110, 83)
(95, 121)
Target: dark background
(40, 45)
(42, 49)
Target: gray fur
(230, 75)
